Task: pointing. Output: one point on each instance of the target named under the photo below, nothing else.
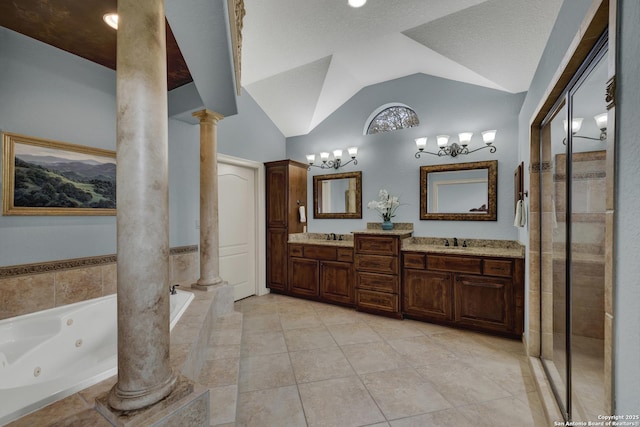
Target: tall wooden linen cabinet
(286, 182)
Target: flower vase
(387, 225)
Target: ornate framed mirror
(337, 195)
(459, 192)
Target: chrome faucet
(455, 241)
(172, 289)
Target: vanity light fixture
(456, 148)
(337, 159)
(111, 19)
(576, 125)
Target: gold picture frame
(45, 177)
(488, 211)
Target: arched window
(392, 117)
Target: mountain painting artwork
(44, 177)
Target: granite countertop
(478, 247)
(321, 239)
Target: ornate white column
(209, 231)
(144, 372)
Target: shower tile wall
(588, 240)
(35, 287)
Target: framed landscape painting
(43, 177)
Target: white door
(237, 223)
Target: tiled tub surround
(48, 355)
(205, 348)
(29, 288)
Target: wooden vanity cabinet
(320, 272)
(474, 292)
(428, 294)
(485, 302)
(377, 266)
(286, 190)
(336, 282)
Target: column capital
(207, 116)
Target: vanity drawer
(320, 252)
(382, 245)
(345, 254)
(377, 263)
(377, 282)
(414, 260)
(296, 250)
(498, 267)
(454, 263)
(377, 301)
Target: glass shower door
(572, 242)
(554, 345)
(587, 252)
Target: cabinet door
(428, 294)
(303, 277)
(336, 282)
(484, 301)
(277, 185)
(277, 258)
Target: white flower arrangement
(386, 205)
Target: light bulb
(443, 140)
(324, 156)
(311, 158)
(353, 152)
(111, 19)
(601, 120)
(488, 136)
(465, 138)
(337, 154)
(421, 143)
(357, 3)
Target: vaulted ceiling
(303, 59)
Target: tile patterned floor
(311, 364)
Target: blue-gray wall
(387, 159)
(49, 93)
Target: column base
(222, 300)
(130, 401)
(186, 405)
(208, 284)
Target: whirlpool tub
(49, 355)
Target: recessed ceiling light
(111, 19)
(357, 3)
